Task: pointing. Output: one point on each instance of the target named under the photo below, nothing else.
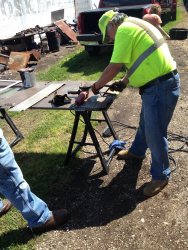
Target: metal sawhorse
(89, 129)
(19, 136)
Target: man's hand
(117, 86)
(94, 89)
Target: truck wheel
(92, 50)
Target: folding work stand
(19, 136)
(89, 129)
(6, 85)
(93, 103)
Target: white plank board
(37, 97)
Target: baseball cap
(103, 22)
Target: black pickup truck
(89, 33)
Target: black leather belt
(160, 78)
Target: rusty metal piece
(4, 59)
(35, 55)
(20, 60)
(64, 27)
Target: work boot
(58, 218)
(154, 187)
(127, 155)
(7, 206)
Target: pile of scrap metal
(28, 45)
(36, 29)
(17, 60)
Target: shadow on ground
(90, 205)
(15, 237)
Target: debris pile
(27, 46)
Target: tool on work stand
(81, 98)
(82, 93)
(60, 100)
(81, 89)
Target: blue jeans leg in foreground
(17, 191)
(1, 204)
(158, 104)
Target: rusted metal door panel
(67, 30)
(18, 60)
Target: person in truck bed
(141, 48)
(154, 18)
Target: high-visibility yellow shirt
(130, 42)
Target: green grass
(77, 66)
(43, 149)
(179, 18)
(40, 156)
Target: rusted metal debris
(66, 29)
(21, 47)
(20, 60)
(4, 59)
(34, 30)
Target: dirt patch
(46, 61)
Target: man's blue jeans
(158, 104)
(17, 191)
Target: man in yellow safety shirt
(140, 47)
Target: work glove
(117, 86)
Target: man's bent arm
(108, 74)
